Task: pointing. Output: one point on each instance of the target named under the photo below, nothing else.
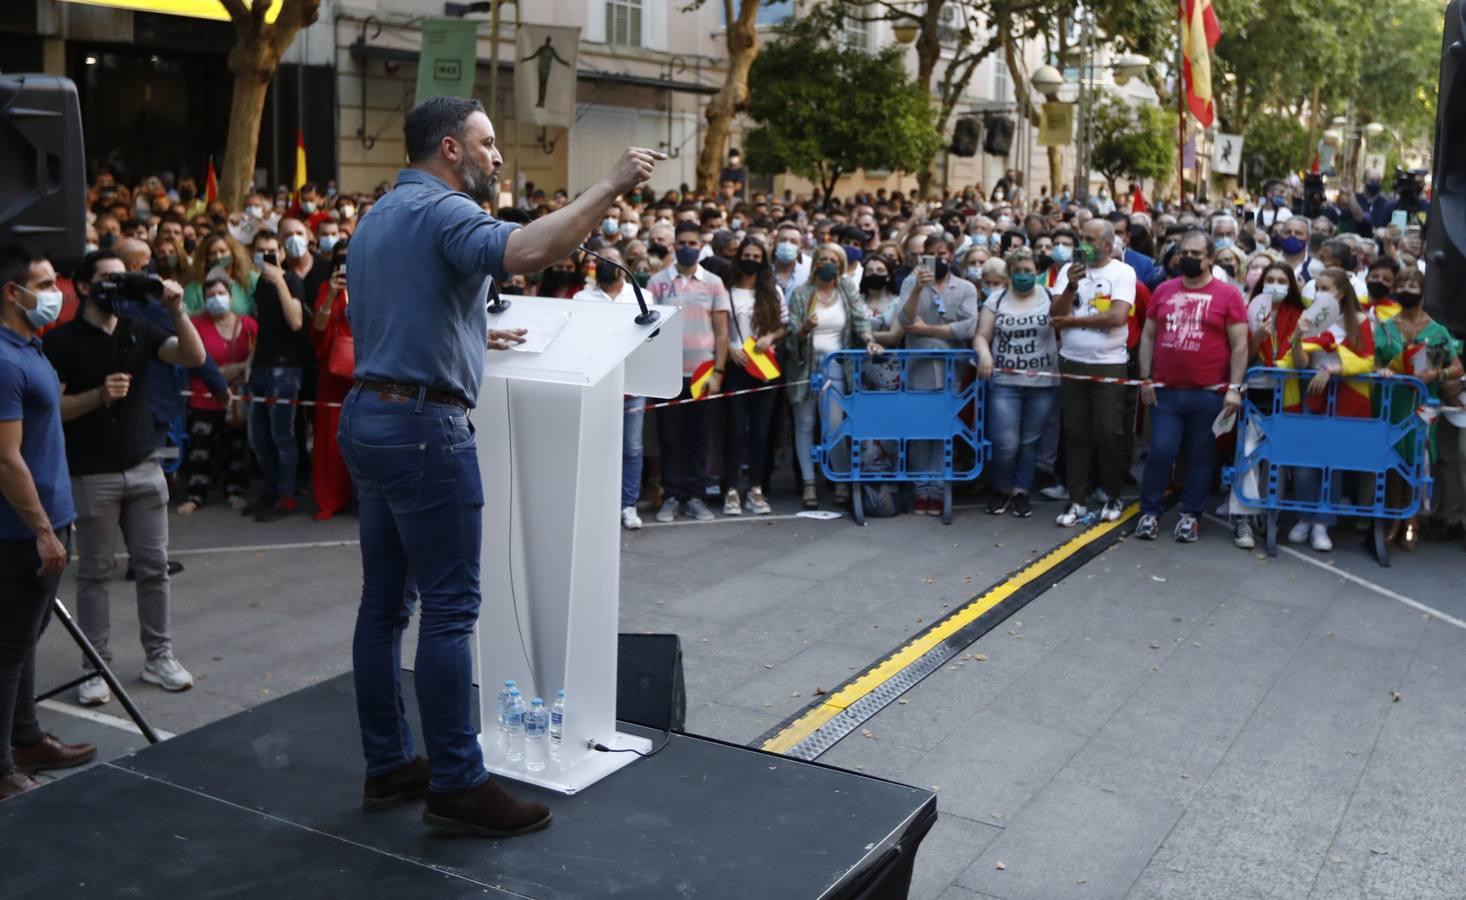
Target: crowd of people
(203, 353)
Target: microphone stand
(648, 316)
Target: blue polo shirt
(31, 393)
(418, 278)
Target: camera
(1313, 196)
(1407, 189)
(139, 287)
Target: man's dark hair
(684, 227)
(15, 263)
(709, 213)
(1141, 240)
(89, 264)
(1384, 263)
(434, 119)
(309, 188)
(513, 214)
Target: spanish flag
(1354, 396)
(761, 363)
(700, 377)
(299, 163)
(1384, 310)
(211, 184)
(1199, 33)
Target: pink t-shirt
(221, 351)
(1191, 346)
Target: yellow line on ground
(892, 665)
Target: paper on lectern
(541, 327)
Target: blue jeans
(1181, 418)
(1308, 487)
(421, 506)
(1017, 415)
(272, 427)
(632, 420)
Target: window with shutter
(624, 23)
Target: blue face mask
(1224, 243)
(327, 242)
(1292, 246)
(826, 272)
(1062, 253)
(854, 254)
(48, 308)
(975, 273)
(979, 240)
(687, 256)
(786, 252)
(610, 226)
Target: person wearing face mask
(938, 312)
(219, 251)
(36, 514)
(328, 235)
(562, 279)
(758, 314)
(103, 361)
(1274, 207)
(1291, 240)
(973, 259)
(1413, 343)
(826, 314)
(1195, 337)
(791, 267)
(218, 457)
(1061, 254)
(335, 355)
(1379, 285)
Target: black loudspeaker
(43, 197)
(966, 135)
(649, 687)
(999, 138)
(1445, 248)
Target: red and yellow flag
(700, 378)
(1199, 33)
(211, 184)
(761, 363)
(299, 163)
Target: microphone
(648, 316)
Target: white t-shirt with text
(1097, 291)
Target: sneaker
(1111, 511)
(1000, 504)
(93, 692)
(1020, 507)
(1299, 533)
(1102, 496)
(1188, 530)
(166, 672)
(629, 519)
(1242, 533)
(732, 503)
(696, 509)
(285, 507)
(1054, 492)
(1319, 539)
(1147, 528)
(668, 512)
(920, 506)
(1072, 516)
(934, 506)
(757, 504)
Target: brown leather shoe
(399, 786)
(16, 782)
(486, 811)
(50, 753)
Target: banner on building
(1056, 124)
(448, 59)
(544, 75)
(1226, 154)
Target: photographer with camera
(103, 362)
(1373, 208)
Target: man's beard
(477, 183)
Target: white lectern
(548, 426)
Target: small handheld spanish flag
(761, 363)
(700, 378)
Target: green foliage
(1137, 142)
(1280, 141)
(822, 111)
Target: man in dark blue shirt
(36, 513)
(420, 267)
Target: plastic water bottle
(557, 720)
(1089, 519)
(536, 736)
(503, 708)
(514, 720)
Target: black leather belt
(398, 390)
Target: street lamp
(1047, 80)
(906, 31)
(1128, 66)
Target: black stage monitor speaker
(1445, 248)
(649, 688)
(42, 174)
(966, 135)
(999, 138)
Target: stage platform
(267, 803)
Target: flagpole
(1180, 105)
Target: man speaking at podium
(418, 281)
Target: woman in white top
(1015, 337)
(759, 315)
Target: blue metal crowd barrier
(871, 415)
(1272, 441)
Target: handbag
(341, 360)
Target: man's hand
(503, 339)
(1233, 401)
(116, 386)
(925, 277)
(1147, 394)
(874, 349)
(634, 167)
(52, 553)
(172, 295)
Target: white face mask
(630, 230)
(1325, 297)
(253, 212)
(1276, 291)
(345, 212)
(295, 246)
(48, 308)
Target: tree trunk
(928, 51)
(1056, 171)
(246, 110)
(732, 97)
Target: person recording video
(104, 363)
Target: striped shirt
(699, 296)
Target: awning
(193, 9)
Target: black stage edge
(267, 803)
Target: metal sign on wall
(1056, 124)
(1226, 154)
(448, 61)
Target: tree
(258, 46)
(1280, 141)
(822, 111)
(1138, 142)
(741, 40)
